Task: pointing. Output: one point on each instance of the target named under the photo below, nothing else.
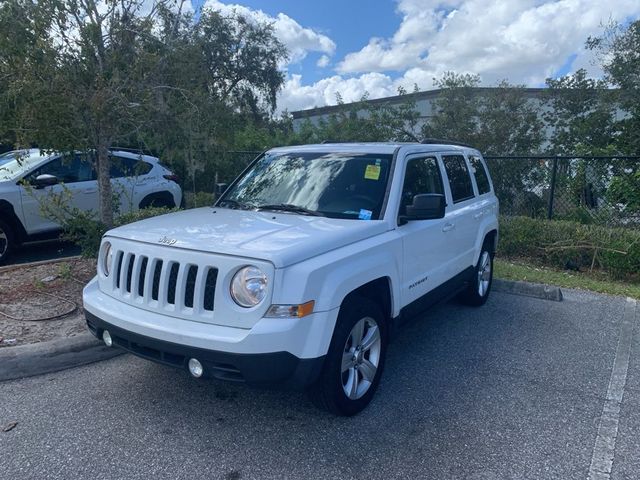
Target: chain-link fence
(199, 181)
(595, 190)
(602, 190)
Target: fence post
(552, 189)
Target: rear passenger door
(485, 203)
(461, 213)
(129, 181)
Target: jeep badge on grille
(167, 241)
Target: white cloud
(298, 39)
(296, 96)
(523, 40)
(323, 61)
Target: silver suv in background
(29, 177)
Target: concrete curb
(536, 290)
(52, 356)
(15, 266)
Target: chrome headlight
(249, 286)
(107, 258)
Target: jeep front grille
(165, 283)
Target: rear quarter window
(128, 167)
(480, 173)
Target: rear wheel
(355, 359)
(7, 241)
(480, 287)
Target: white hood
(281, 238)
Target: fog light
(195, 368)
(106, 338)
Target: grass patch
(597, 282)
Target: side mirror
(45, 180)
(220, 188)
(427, 206)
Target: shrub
(568, 244)
(199, 199)
(84, 230)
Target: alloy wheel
(361, 358)
(484, 273)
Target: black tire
(7, 241)
(476, 294)
(329, 390)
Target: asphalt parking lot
(515, 389)
(45, 250)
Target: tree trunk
(104, 185)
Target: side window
(459, 179)
(482, 179)
(422, 176)
(68, 169)
(128, 167)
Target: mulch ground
(43, 302)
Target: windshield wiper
(287, 207)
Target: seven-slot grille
(165, 283)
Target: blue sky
(350, 47)
(350, 23)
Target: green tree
(619, 52)
(456, 109)
(581, 114)
(90, 75)
(364, 121)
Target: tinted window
(422, 176)
(128, 167)
(482, 179)
(459, 179)
(68, 169)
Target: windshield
(337, 185)
(12, 164)
(6, 157)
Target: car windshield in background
(6, 157)
(16, 162)
(336, 185)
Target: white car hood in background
(281, 238)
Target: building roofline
(414, 96)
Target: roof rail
(442, 141)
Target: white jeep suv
(303, 267)
(28, 177)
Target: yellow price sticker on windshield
(372, 172)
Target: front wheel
(6, 241)
(355, 360)
(480, 286)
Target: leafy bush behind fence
(572, 245)
(589, 190)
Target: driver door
(77, 182)
(426, 249)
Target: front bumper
(258, 369)
(288, 351)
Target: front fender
(329, 278)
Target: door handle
(478, 215)
(90, 190)
(447, 227)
